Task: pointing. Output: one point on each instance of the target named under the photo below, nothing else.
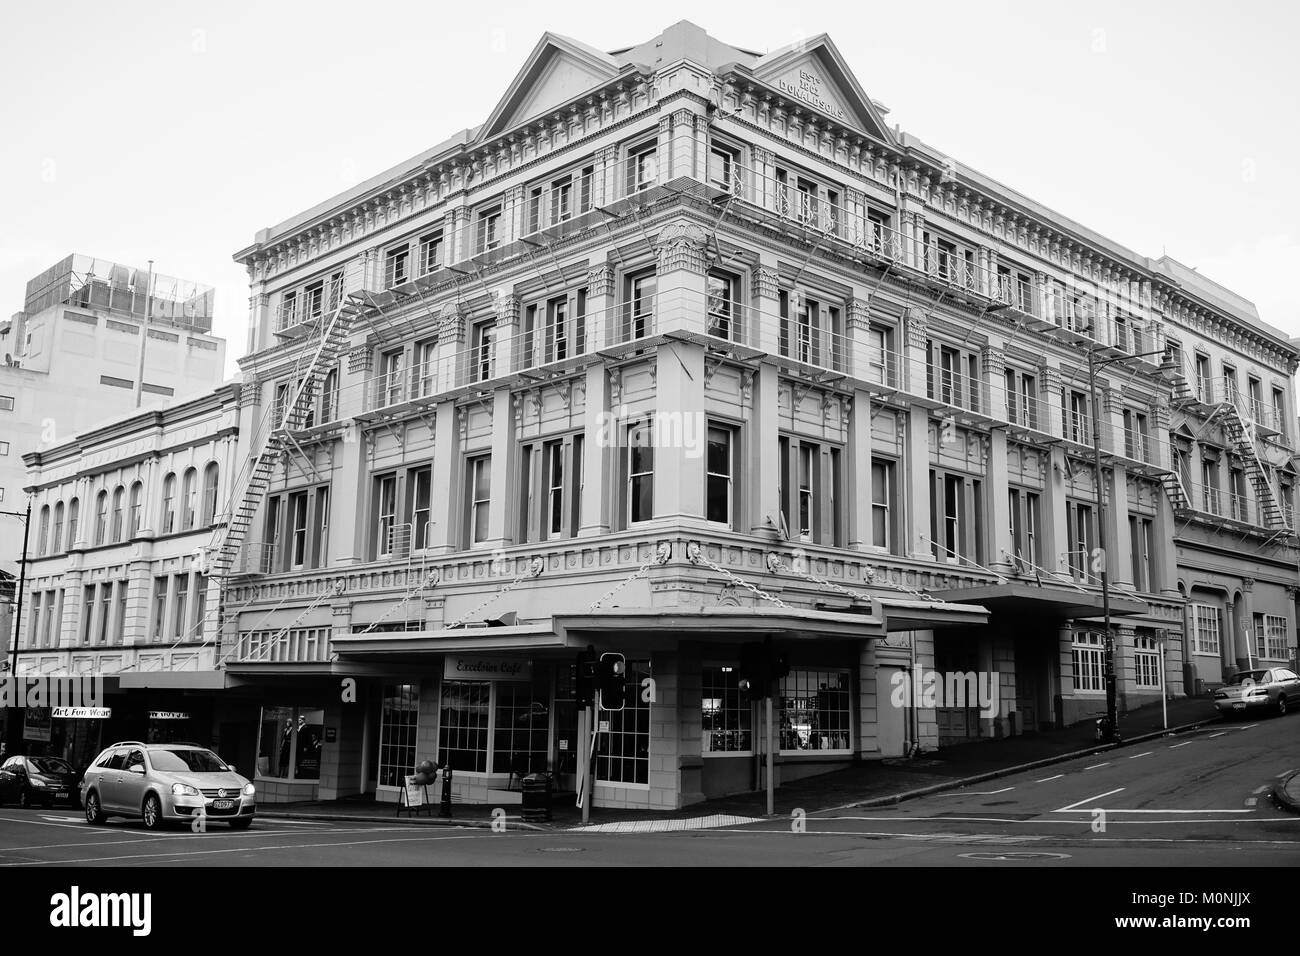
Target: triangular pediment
(814, 75)
(556, 72)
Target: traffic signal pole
(584, 752)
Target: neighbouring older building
(124, 515)
(683, 349)
(72, 358)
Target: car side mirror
(135, 768)
(230, 767)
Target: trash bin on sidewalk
(536, 788)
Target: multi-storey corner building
(72, 358)
(685, 348)
(123, 516)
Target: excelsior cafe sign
(487, 668)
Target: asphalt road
(1198, 799)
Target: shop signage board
(83, 713)
(168, 715)
(487, 668)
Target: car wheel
(1281, 705)
(243, 824)
(94, 815)
(152, 813)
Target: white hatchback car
(162, 783)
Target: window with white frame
(168, 507)
(398, 723)
(419, 484)
(640, 472)
(397, 265)
(816, 712)
(385, 514)
(642, 167)
(623, 754)
(550, 488)
(158, 616)
(101, 513)
(189, 499)
(722, 291)
(479, 499)
(1025, 539)
(489, 229)
(1088, 655)
(719, 489)
(639, 297)
(1146, 663)
(482, 363)
(723, 166)
(726, 715)
(1271, 637)
(430, 252)
(463, 725)
(883, 496)
(809, 486)
(1205, 621)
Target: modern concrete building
(125, 513)
(72, 358)
(687, 348)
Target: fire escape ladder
(1244, 440)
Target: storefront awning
(1051, 601)
(172, 680)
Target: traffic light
(585, 678)
(611, 680)
(761, 668)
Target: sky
(173, 131)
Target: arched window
(43, 533)
(189, 499)
(210, 475)
(56, 541)
(74, 512)
(119, 496)
(101, 517)
(169, 504)
(133, 514)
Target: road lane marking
(301, 823)
(974, 793)
(1147, 754)
(1176, 746)
(151, 838)
(1045, 821)
(1096, 765)
(1089, 800)
(245, 849)
(1045, 779)
(1221, 733)
(1110, 811)
(1247, 727)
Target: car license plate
(223, 804)
(60, 793)
(1239, 705)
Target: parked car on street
(1274, 688)
(162, 783)
(28, 781)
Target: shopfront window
(815, 712)
(399, 718)
(521, 729)
(623, 754)
(289, 743)
(726, 717)
(463, 727)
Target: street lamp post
(1112, 694)
(12, 723)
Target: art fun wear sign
(487, 668)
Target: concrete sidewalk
(870, 783)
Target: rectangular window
(119, 613)
(483, 351)
(397, 266)
(1081, 534)
(956, 518)
(87, 612)
(390, 377)
(1279, 412)
(489, 229)
(879, 362)
(534, 221)
(1204, 385)
(557, 336)
(419, 483)
(1271, 637)
(639, 306)
(623, 754)
(298, 529)
(463, 725)
(882, 504)
(430, 252)
(561, 200)
(158, 618)
(181, 605)
(6, 403)
(424, 375)
(398, 728)
(1024, 529)
(35, 636)
(1146, 663)
(642, 168)
(289, 742)
(4, 448)
(1089, 659)
(1205, 620)
(554, 483)
(105, 612)
(815, 712)
(321, 525)
(722, 167)
(807, 460)
(479, 477)
(641, 472)
(718, 490)
(1140, 539)
(726, 716)
(385, 514)
(721, 290)
(521, 728)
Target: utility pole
(14, 732)
(1112, 702)
(144, 336)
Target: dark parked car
(28, 781)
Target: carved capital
(681, 246)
